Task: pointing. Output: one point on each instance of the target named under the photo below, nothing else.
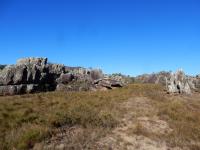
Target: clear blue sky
(127, 36)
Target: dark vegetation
(2, 66)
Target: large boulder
(14, 74)
(107, 83)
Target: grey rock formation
(13, 75)
(19, 74)
(179, 83)
(32, 61)
(56, 68)
(32, 75)
(107, 83)
(29, 75)
(6, 76)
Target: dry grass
(29, 119)
(182, 113)
(184, 119)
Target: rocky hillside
(177, 82)
(30, 75)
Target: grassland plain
(87, 120)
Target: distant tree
(2, 66)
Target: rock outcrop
(179, 83)
(82, 79)
(31, 75)
(176, 82)
(27, 76)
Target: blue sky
(127, 36)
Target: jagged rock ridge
(30, 75)
(177, 82)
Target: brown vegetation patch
(138, 116)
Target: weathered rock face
(32, 61)
(78, 79)
(29, 75)
(179, 83)
(107, 83)
(13, 75)
(32, 75)
(176, 82)
(56, 69)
